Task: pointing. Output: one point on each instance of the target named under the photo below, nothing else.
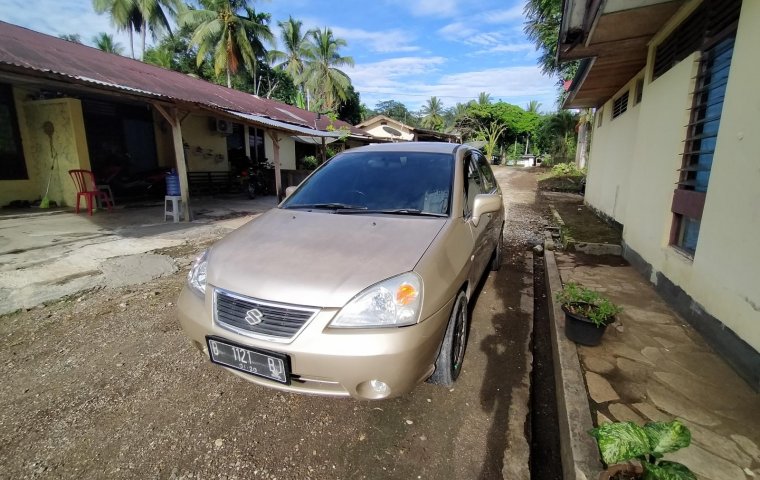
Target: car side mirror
(289, 191)
(485, 203)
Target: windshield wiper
(329, 206)
(395, 211)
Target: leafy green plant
(625, 441)
(309, 162)
(567, 170)
(588, 303)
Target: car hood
(318, 258)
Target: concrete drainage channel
(545, 455)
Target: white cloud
(409, 80)
(430, 8)
(64, 17)
(385, 41)
(507, 48)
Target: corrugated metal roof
(285, 126)
(60, 59)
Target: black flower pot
(582, 330)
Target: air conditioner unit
(223, 126)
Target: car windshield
(405, 183)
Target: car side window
(472, 182)
(489, 181)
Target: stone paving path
(652, 366)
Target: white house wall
(614, 141)
(634, 169)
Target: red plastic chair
(86, 187)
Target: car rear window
(381, 181)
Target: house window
(599, 117)
(12, 163)
(620, 105)
(710, 91)
(639, 91)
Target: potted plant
(587, 314)
(622, 443)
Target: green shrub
(582, 301)
(567, 170)
(309, 162)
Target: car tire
(448, 365)
(497, 253)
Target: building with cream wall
(688, 199)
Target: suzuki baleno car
(358, 283)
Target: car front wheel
(448, 365)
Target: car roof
(429, 147)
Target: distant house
(388, 129)
(675, 156)
(71, 106)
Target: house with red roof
(67, 106)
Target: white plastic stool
(176, 207)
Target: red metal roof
(51, 56)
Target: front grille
(277, 321)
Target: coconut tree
(533, 106)
(259, 36)
(220, 28)
(105, 42)
(484, 98)
(125, 17)
(432, 113)
(295, 45)
(154, 16)
(321, 74)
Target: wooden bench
(210, 183)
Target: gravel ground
(104, 385)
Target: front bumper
(333, 361)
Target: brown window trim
(689, 203)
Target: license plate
(274, 366)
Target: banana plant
(625, 441)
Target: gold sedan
(358, 282)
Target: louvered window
(708, 20)
(694, 177)
(620, 105)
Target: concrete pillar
(275, 136)
(247, 140)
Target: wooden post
(173, 118)
(247, 140)
(324, 150)
(277, 175)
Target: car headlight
(196, 278)
(391, 303)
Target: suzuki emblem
(254, 317)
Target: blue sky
(405, 50)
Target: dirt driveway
(104, 385)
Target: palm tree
(292, 59)
(321, 74)
(125, 16)
(259, 33)
(220, 30)
(432, 113)
(484, 98)
(105, 42)
(533, 106)
(561, 125)
(154, 15)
